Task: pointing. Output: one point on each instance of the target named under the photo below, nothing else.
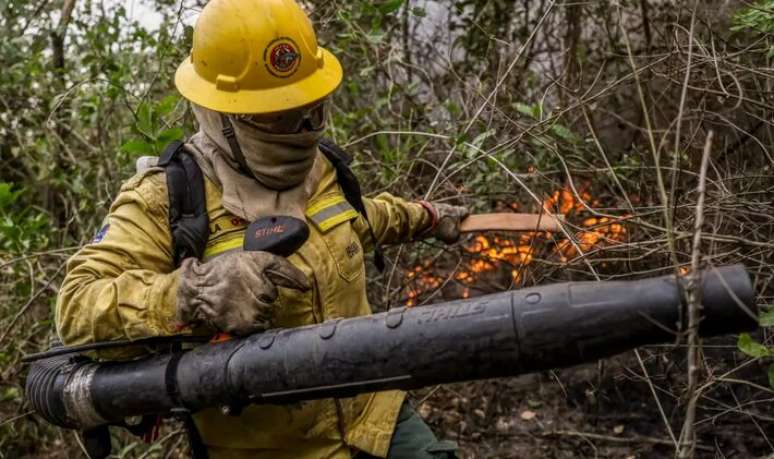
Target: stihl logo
(263, 232)
(463, 310)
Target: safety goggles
(311, 117)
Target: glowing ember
(495, 255)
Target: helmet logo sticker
(282, 57)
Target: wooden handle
(510, 222)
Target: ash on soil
(607, 410)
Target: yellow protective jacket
(124, 284)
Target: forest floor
(602, 410)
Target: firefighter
(258, 85)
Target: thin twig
(29, 303)
(655, 397)
(668, 223)
(680, 111)
(38, 254)
(15, 418)
(693, 293)
(612, 439)
(78, 440)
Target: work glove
(446, 220)
(235, 292)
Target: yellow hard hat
(256, 56)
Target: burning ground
(499, 261)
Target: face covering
(278, 161)
(283, 169)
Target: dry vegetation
(604, 111)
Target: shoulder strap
(351, 188)
(187, 202)
(188, 217)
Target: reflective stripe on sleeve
(329, 212)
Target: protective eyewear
(311, 117)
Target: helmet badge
(282, 57)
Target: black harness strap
(198, 449)
(233, 143)
(188, 217)
(352, 192)
(170, 379)
(190, 227)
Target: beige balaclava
(285, 168)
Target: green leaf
(766, 318)
(7, 195)
(534, 403)
(418, 12)
(375, 36)
(751, 347)
(533, 111)
(564, 133)
(167, 104)
(137, 148)
(145, 117)
(771, 375)
(524, 109)
(481, 138)
(169, 135)
(453, 109)
(10, 394)
(366, 71)
(537, 111)
(391, 6)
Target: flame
(494, 255)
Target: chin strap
(236, 150)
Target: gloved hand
(446, 221)
(234, 292)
